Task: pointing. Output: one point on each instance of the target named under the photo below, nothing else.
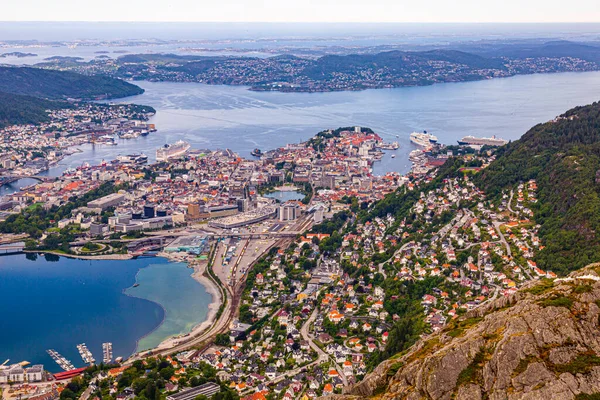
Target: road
(304, 331)
(91, 387)
(502, 238)
(512, 193)
(401, 249)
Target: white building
(289, 211)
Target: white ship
(389, 146)
(172, 150)
(423, 139)
(483, 141)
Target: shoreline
(199, 269)
(82, 257)
(213, 307)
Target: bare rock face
(542, 343)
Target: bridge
(6, 179)
(14, 248)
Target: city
(295, 201)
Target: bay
(184, 300)
(234, 117)
(51, 302)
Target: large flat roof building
(208, 389)
(107, 201)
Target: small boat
(256, 153)
(136, 284)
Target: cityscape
(140, 260)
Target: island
(17, 54)
(370, 69)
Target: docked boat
(482, 141)
(86, 354)
(106, 139)
(107, 352)
(133, 159)
(60, 360)
(423, 139)
(176, 149)
(256, 153)
(389, 146)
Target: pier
(86, 354)
(107, 352)
(60, 360)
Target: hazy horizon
(449, 32)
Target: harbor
(119, 319)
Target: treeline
(50, 84)
(332, 225)
(22, 110)
(563, 156)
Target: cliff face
(541, 343)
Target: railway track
(233, 296)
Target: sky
(303, 10)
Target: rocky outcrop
(541, 343)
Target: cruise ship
(423, 139)
(475, 141)
(172, 150)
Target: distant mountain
(553, 49)
(18, 109)
(334, 72)
(51, 84)
(395, 62)
(564, 157)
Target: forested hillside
(564, 157)
(395, 62)
(51, 84)
(17, 109)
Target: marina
(107, 353)
(60, 360)
(86, 354)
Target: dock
(107, 352)
(86, 354)
(60, 360)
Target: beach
(199, 269)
